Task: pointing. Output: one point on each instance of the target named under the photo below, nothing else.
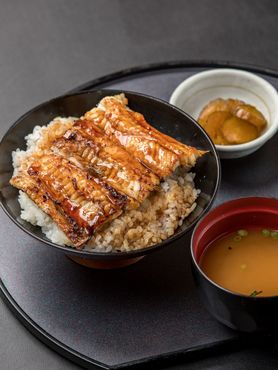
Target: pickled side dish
(231, 121)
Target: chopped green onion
(274, 234)
(255, 293)
(237, 238)
(265, 232)
(242, 232)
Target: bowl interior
(198, 90)
(232, 216)
(160, 114)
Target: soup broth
(245, 262)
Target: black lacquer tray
(144, 315)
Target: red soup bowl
(237, 311)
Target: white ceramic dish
(196, 91)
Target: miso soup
(245, 262)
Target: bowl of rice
(167, 214)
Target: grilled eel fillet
(159, 152)
(87, 172)
(79, 203)
(89, 148)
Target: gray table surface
(49, 47)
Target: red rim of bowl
(260, 204)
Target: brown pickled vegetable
(231, 121)
(251, 114)
(213, 126)
(238, 131)
(218, 105)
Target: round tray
(145, 313)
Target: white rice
(155, 220)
